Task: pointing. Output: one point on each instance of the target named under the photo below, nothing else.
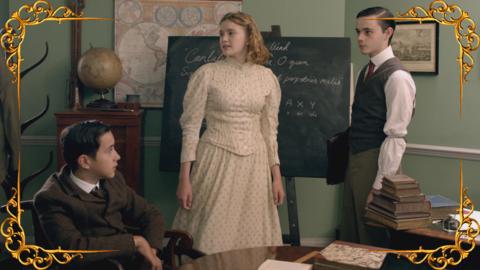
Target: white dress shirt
(400, 99)
(82, 184)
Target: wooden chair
(180, 243)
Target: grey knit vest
(369, 110)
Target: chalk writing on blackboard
(313, 74)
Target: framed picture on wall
(416, 45)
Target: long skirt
(232, 204)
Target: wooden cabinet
(126, 127)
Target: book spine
(402, 192)
(416, 198)
(402, 207)
(383, 202)
(377, 218)
(397, 186)
(398, 216)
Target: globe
(100, 69)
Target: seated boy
(86, 204)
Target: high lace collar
(242, 66)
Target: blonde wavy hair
(257, 52)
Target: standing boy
(382, 109)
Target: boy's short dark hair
(380, 12)
(81, 138)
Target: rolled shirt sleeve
(400, 99)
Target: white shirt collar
(82, 184)
(383, 56)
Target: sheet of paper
(282, 265)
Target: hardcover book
(404, 198)
(402, 186)
(401, 192)
(399, 179)
(377, 218)
(398, 215)
(397, 207)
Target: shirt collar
(383, 56)
(82, 184)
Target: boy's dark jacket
(76, 220)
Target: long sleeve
(400, 99)
(75, 220)
(61, 230)
(147, 217)
(194, 104)
(269, 121)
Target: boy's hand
(148, 253)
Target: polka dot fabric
(232, 204)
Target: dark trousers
(361, 172)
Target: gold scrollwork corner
(29, 15)
(12, 230)
(465, 32)
(11, 227)
(468, 40)
(465, 235)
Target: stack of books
(400, 204)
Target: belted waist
(236, 141)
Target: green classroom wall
(3, 12)
(306, 18)
(437, 120)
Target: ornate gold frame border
(439, 11)
(42, 11)
(468, 40)
(11, 228)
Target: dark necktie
(371, 67)
(97, 192)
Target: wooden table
(435, 231)
(252, 258)
(247, 259)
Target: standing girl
(228, 199)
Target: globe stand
(102, 103)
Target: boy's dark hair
(383, 13)
(81, 138)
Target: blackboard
(314, 75)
